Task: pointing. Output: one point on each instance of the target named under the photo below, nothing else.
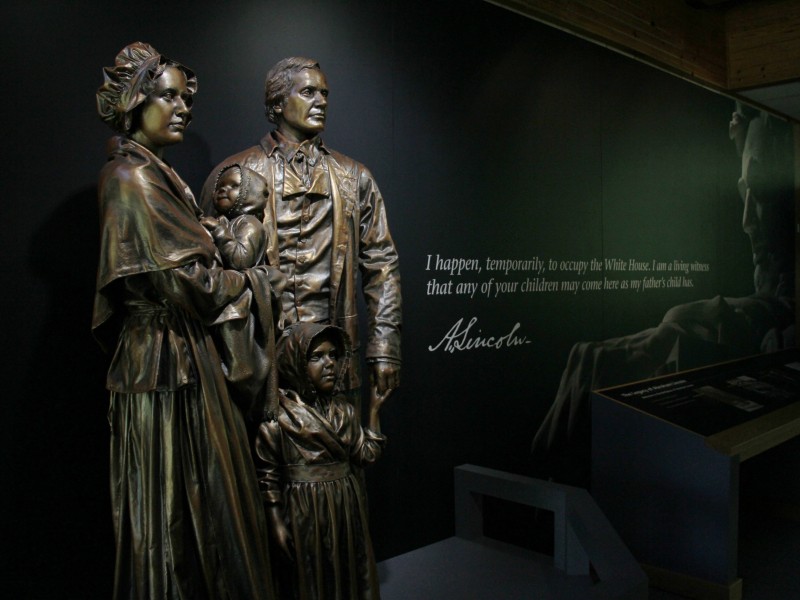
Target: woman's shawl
(148, 221)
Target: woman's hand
(280, 532)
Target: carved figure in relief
(701, 332)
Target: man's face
(764, 217)
(302, 112)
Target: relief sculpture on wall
(699, 332)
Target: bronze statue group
(235, 409)
(235, 413)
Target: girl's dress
(304, 463)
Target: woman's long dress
(188, 517)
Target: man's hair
(279, 81)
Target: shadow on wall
(65, 546)
(68, 539)
(191, 159)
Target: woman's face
(166, 112)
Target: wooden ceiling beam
(668, 33)
(763, 43)
(726, 45)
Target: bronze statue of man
(326, 222)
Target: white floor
(769, 565)
(458, 569)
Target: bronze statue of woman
(188, 517)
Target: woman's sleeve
(268, 459)
(209, 294)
